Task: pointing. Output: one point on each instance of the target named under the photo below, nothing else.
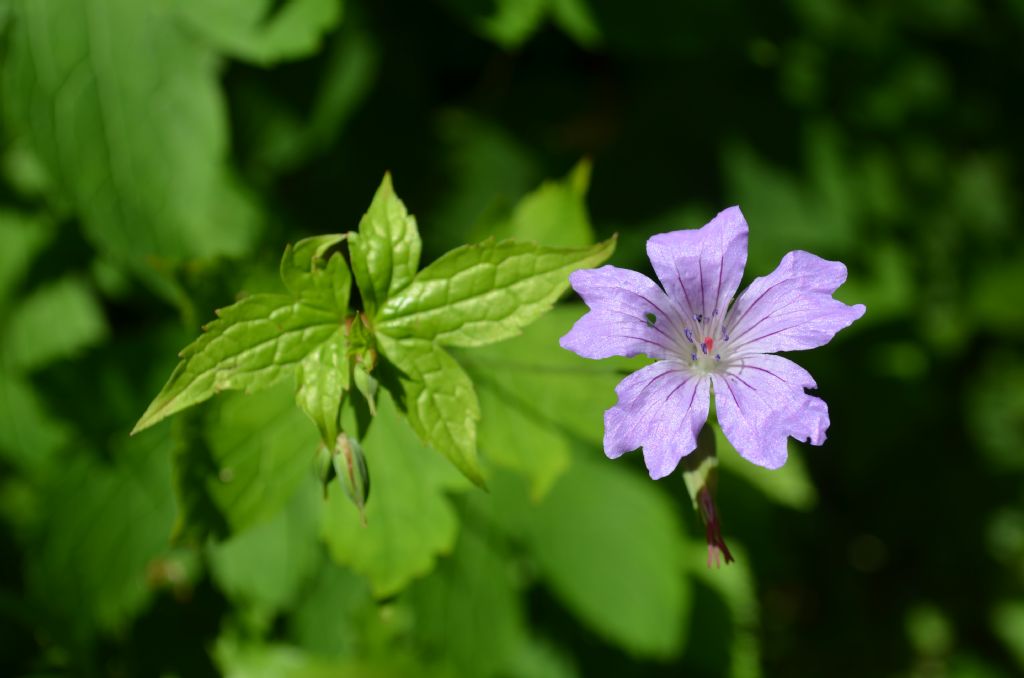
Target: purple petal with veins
(792, 308)
(661, 408)
(701, 268)
(761, 402)
(618, 324)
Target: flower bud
(353, 474)
(324, 466)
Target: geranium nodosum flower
(702, 344)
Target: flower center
(707, 342)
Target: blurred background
(157, 156)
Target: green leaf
(260, 449)
(736, 586)
(323, 378)
(485, 169)
(609, 545)
(789, 486)
(124, 110)
(480, 294)
(21, 237)
(253, 344)
(274, 660)
(577, 20)
(409, 520)
(309, 277)
(267, 565)
(817, 213)
(476, 583)
(1008, 623)
(335, 614)
(29, 435)
(263, 31)
(439, 400)
(103, 526)
(554, 214)
(536, 397)
(386, 251)
(56, 322)
(513, 21)
(511, 437)
(279, 134)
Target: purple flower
(702, 344)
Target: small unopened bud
(366, 385)
(324, 466)
(354, 476)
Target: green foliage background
(157, 155)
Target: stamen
(689, 335)
(704, 349)
(718, 357)
(693, 357)
(725, 335)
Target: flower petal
(701, 268)
(761, 402)
(792, 308)
(661, 408)
(629, 315)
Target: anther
(704, 349)
(689, 335)
(718, 357)
(693, 357)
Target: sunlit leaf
(267, 565)
(323, 378)
(439, 400)
(554, 214)
(253, 344)
(260, 448)
(55, 322)
(273, 660)
(610, 547)
(104, 523)
(790, 485)
(312, 274)
(386, 251)
(479, 294)
(21, 238)
(474, 584)
(263, 31)
(123, 109)
(336, 611)
(29, 435)
(512, 438)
